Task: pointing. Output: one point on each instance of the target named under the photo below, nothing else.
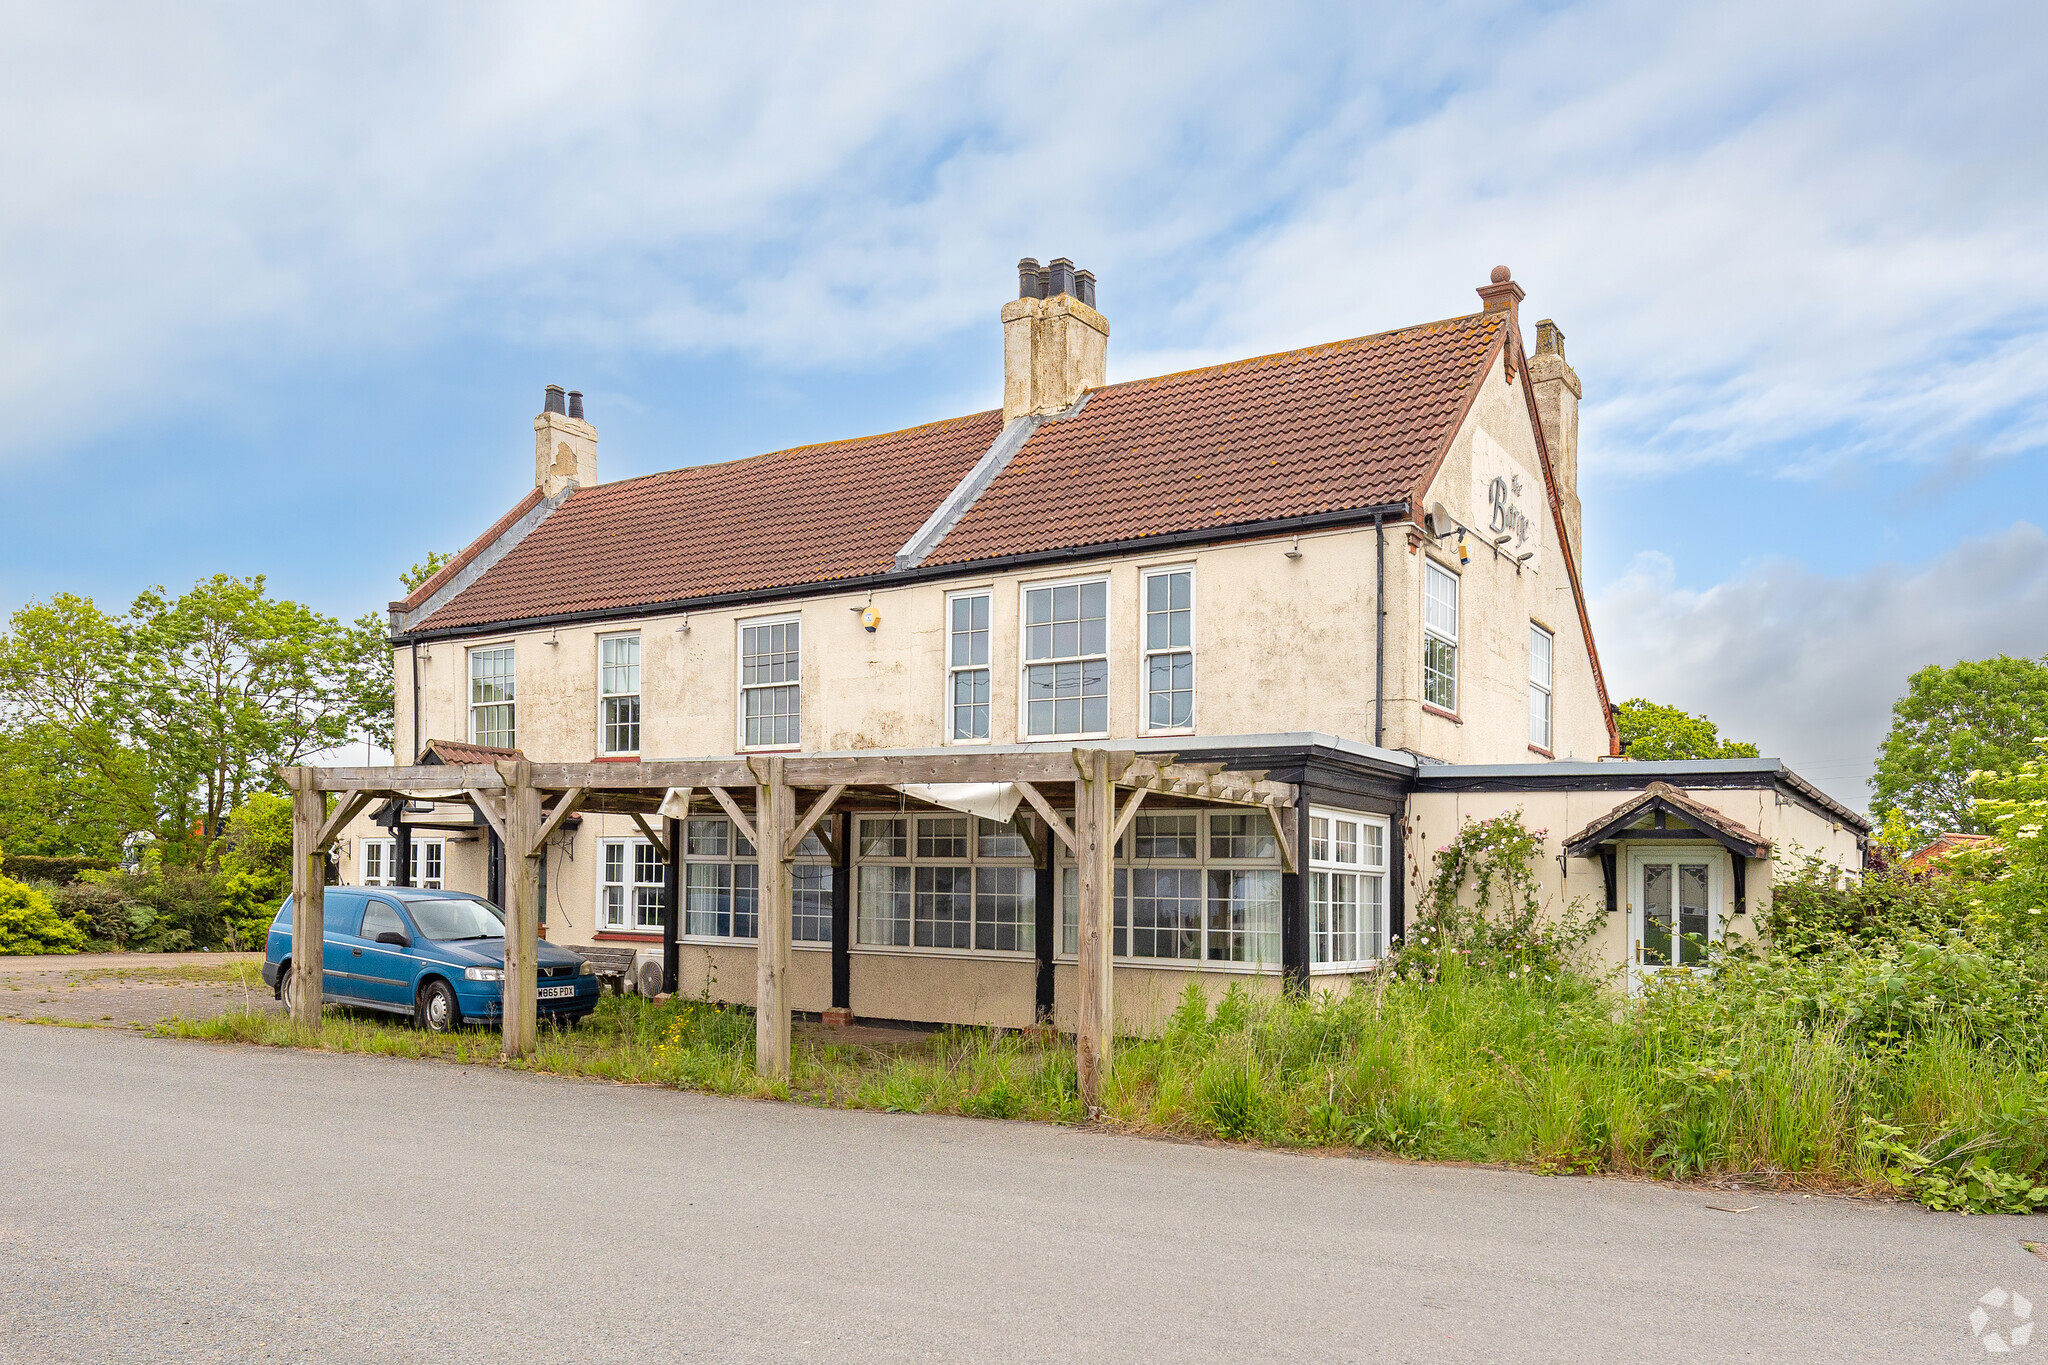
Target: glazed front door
(1674, 908)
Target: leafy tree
(229, 684)
(420, 573)
(65, 743)
(1980, 714)
(170, 716)
(1652, 733)
(56, 799)
(256, 869)
(2014, 899)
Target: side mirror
(394, 938)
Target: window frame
(1126, 865)
(1025, 662)
(742, 687)
(1146, 652)
(638, 694)
(952, 670)
(469, 682)
(974, 863)
(1430, 632)
(387, 851)
(633, 844)
(1332, 864)
(1544, 688)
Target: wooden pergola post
(1094, 850)
(309, 897)
(774, 822)
(521, 1025)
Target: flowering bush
(2012, 902)
(1501, 927)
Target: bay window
(946, 882)
(1191, 886)
(1347, 890)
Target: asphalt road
(185, 1201)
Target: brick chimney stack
(1055, 345)
(564, 445)
(1557, 406)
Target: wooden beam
(519, 1021)
(351, 806)
(1048, 814)
(309, 898)
(648, 830)
(564, 808)
(493, 814)
(739, 817)
(1287, 830)
(428, 777)
(1095, 1014)
(1130, 813)
(775, 815)
(1037, 846)
(811, 817)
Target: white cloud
(1807, 666)
(1808, 231)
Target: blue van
(438, 956)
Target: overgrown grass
(1556, 1075)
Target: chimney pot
(576, 404)
(1549, 339)
(1054, 350)
(553, 401)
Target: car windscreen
(444, 920)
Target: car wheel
(436, 1009)
(284, 983)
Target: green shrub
(32, 867)
(1818, 908)
(29, 924)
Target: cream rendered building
(1353, 567)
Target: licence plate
(557, 992)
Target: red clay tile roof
(808, 515)
(456, 752)
(1347, 425)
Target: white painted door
(1674, 907)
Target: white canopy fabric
(990, 800)
(675, 803)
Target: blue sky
(280, 288)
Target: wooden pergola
(525, 802)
